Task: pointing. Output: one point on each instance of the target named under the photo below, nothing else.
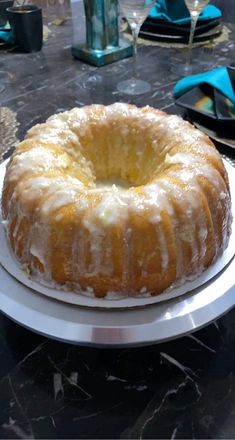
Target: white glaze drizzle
(113, 204)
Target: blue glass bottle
(103, 44)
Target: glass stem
(135, 32)
(191, 37)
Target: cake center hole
(113, 181)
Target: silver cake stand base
(117, 328)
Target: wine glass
(194, 7)
(135, 11)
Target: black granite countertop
(180, 389)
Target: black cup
(4, 4)
(26, 23)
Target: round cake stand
(118, 328)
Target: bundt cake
(116, 199)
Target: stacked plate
(211, 111)
(162, 30)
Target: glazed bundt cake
(116, 199)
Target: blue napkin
(217, 78)
(175, 11)
(6, 35)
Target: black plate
(199, 100)
(206, 102)
(218, 131)
(227, 141)
(210, 111)
(164, 27)
(225, 108)
(165, 37)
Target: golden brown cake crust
(165, 217)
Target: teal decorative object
(103, 45)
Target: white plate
(9, 262)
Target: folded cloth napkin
(218, 78)
(175, 11)
(6, 35)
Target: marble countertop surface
(179, 389)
